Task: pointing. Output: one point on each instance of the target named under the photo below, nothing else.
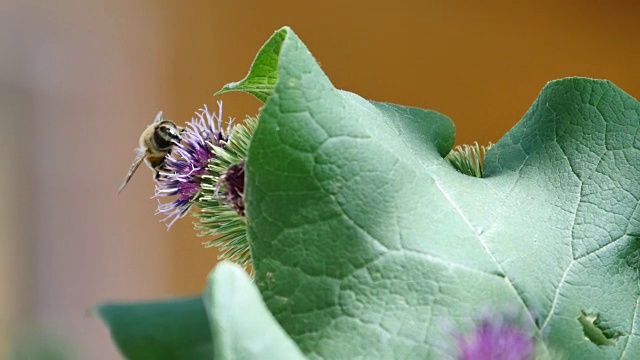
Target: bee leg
(156, 170)
(156, 164)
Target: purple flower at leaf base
(182, 172)
(496, 339)
(233, 181)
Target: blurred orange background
(80, 80)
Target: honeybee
(156, 142)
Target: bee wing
(158, 117)
(140, 154)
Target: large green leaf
(172, 329)
(365, 241)
(241, 324)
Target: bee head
(166, 134)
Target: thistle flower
(183, 171)
(496, 339)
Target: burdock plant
(366, 232)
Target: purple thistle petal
(182, 172)
(496, 340)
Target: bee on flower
(206, 169)
(184, 170)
